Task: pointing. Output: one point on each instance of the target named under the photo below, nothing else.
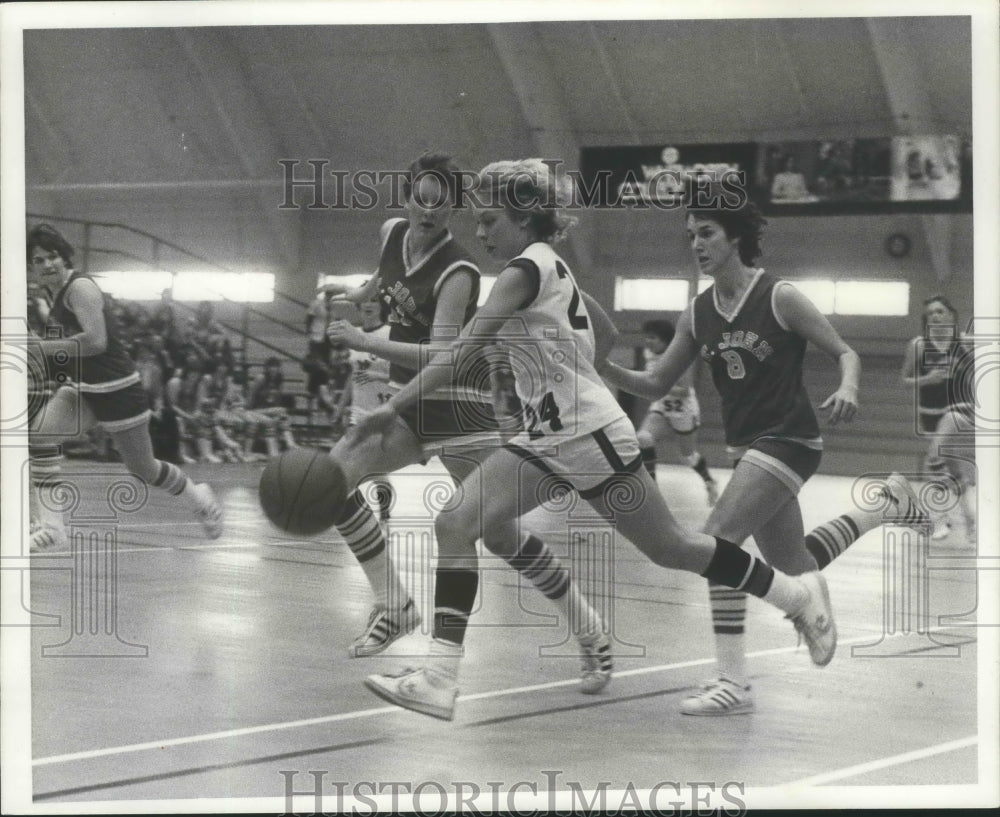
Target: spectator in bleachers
(221, 399)
(790, 184)
(209, 334)
(163, 428)
(158, 348)
(164, 318)
(181, 397)
(267, 398)
(316, 364)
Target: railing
(158, 259)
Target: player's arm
(449, 315)
(801, 316)
(356, 295)
(513, 289)
(665, 371)
(86, 301)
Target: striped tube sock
(729, 612)
(454, 597)
(171, 479)
(649, 460)
(831, 539)
(45, 470)
(361, 531)
(536, 562)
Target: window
(831, 297)
(145, 285)
(873, 298)
(651, 294)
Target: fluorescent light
(821, 291)
(651, 294)
(354, 279)
(830, 296)
(137, 285)
(873, 298)
(242, 287)
(146, 285)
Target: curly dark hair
(49, 238)
(660, 328)
(727, 204)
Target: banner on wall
(643, 177)
(805, 177)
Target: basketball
(303, 491)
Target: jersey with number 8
(756, 365)
(552, 354)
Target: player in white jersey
(576, 436)
(677, 411)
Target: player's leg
(64, 416)
(651, 434)
(124, 416)
(505, 536)
(393, 612)
(936, 470)
(686, 432)
(640, 513)
(955, 443)
(433, 687)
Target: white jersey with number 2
(551, 345)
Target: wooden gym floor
(218, 670)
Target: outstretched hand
(843, 405)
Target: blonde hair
(535, 188)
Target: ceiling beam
(899, 63)
(256, 147)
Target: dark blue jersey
(756, 365)
(110, 370)
(410, 293)
(955, 357)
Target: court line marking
(365, 713)
(884, 763)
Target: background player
(678, 412)
(108, 393)
(930, 365)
